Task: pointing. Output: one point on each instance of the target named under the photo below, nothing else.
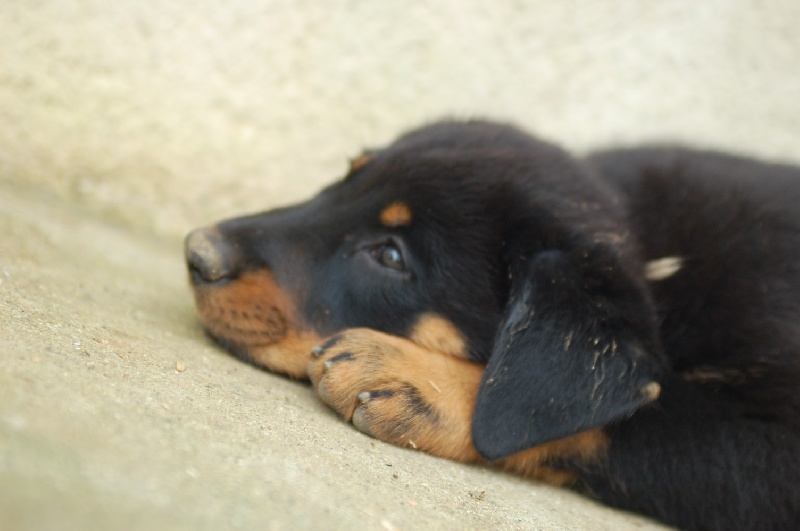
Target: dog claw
(364, 397)
(319, 350)
(340, 357)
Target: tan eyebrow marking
(360, 161)
(437, 333)
(396, 214)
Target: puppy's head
(410, 242)
(472, 239)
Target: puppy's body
(626, 324)
(726, 426)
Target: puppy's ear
(575, 350)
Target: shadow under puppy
(627, 324)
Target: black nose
(209, 256)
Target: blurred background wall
(166, 115)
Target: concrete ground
(117, 413)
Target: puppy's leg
(398, 392)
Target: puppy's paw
(398, 392)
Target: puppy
(627, 324)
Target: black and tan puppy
(627, 324)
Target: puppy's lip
(240, 347)
(198, 280)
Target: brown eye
(390, 257)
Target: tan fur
(258, 318)
(387, 363)
(584, 446)
(360, 161)
(396, 214)
(439, 334)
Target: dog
(626, 324)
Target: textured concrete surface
(124, 124)
(117, 413)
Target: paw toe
(344, 356)
(360, 420)
(324, 393)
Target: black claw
(339, 357)
(319, 350)
(366, 396)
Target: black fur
(542, 262)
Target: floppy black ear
(575, 350)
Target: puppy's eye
(389, 256)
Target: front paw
(358, 374)
(398, 392)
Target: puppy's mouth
(242, 331)
(252, 318)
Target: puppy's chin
(288, 356)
